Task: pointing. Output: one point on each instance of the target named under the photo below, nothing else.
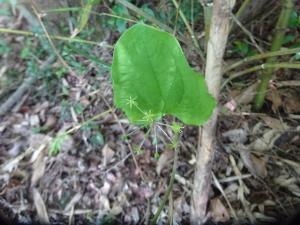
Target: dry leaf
(256, 165)
(247, 95)
(50, 122)
(218, 211)
(274, 123)
(38, 167)
(40, 207)
(266, 142)
(275, 98)
(164, 160)
(293, 106)
(107, 154)
(236, 135)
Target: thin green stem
(62, 38)
(242, 8)
(142, 13)
(267, 75)
(261, 56)
(190, 30)
(100, 115)
(265, 66)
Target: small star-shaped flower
(149, 117)
(131, 102)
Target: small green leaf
(85, 14)
(293, 20)
(152, 78)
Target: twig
(247, 32)
(27, 83)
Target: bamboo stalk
(267, 75)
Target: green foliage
(85, 14)
(294, 20)
(95, 137)
(242, 48)
(4, 49)
(152, 78)
(120, 24)
(56, 144)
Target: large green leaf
(151, 78)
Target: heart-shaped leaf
(151, 78)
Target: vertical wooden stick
(218, 34)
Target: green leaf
(152, 78)
(293, 20)
(85, 14)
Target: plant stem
(142, 13)
(242, 8)
(207, 10)
(170, 186)
(62, 38)
(192, 34)
(265, 66)
(266, 76)
(262, 56)
(219, 30)
(85, 15)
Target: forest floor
(67, 154)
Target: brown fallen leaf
(256, 165)
(247, 95)
(164, 160)
(39, 166)
(274, 123)
(267, 141)
(50, 122)
(218, 211)
(275, 98)
(107, 154)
